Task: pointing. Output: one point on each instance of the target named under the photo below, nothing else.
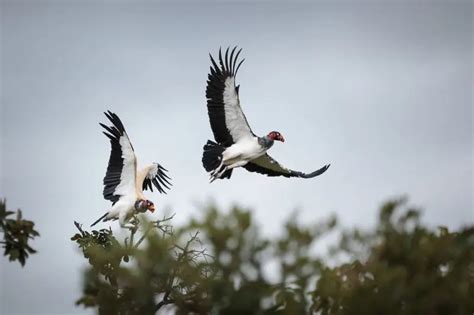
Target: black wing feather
(158, 178)
(268, 166)
(115, 166)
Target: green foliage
(16, 234)
(162, 268)
(239, 283)
(219, 264)
(409, 269)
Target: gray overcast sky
(383, 91)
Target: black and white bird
(123, 182)
(237, 145)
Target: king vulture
(236, 145)
(123, 183)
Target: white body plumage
(243, 151)
(122, 210)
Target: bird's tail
(100, 219)
(212, 158)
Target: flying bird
(236, 145)
(123, 182)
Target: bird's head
(144, 205)
(275, 135)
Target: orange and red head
(275, 135)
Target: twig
(181, 256)
(163, 303)
(142, 238)
(154, 225)
(132, 234)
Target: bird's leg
(216, 170)
(123, 220)
(218, 175)
(236, 164)
(215, 173)
(213, 176)
(228, 157)
(230, 163)
(222, 171)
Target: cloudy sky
(382, 91)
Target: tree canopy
(219, 263)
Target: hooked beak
(282, 139)
(151, 208)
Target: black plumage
(212, 157)
(266, 165)
(115, 166)
(159, 179)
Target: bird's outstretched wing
(227, 119)
(157, 176)
(120, 177)
(265, 164)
